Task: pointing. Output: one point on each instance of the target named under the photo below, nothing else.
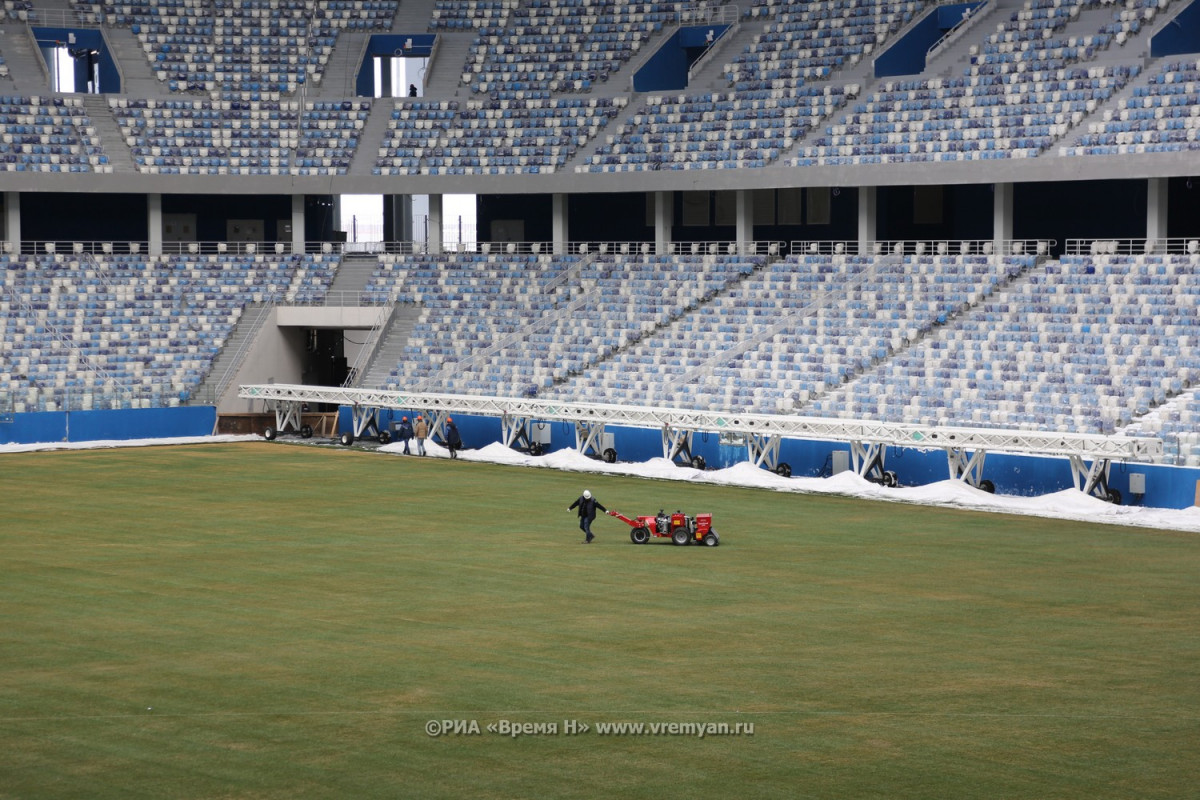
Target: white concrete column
(663, 218)
(297, 223)
(1002, 215)
(868, 216)
(1156, 209)
(12, 219)
(154, 223)
(435, 234)
(559, 224)
(745, 221)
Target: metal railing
(1100, 247)
(969, 16)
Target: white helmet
(587, 495)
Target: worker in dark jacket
(405, 432)
(587, 506)
(453, 439)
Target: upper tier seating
(128, 330)
(538, 46)
(809, 41)
(738, 129)
(1026, 88)
(254, 48)
(1160, 117)
(489, 137)
(231, 137)
(48, 134)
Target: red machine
(678, 527)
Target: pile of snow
(1068, 504)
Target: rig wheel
(784, 470)
(270, 433)
(346, 439)
(680, 536)
(610, 456)
(639, 535)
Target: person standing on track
(406, 433)
(587, 506)
(453, 438)
(421, 431)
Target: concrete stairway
(352, 277)
(120, 158)
(371, 136)
(26, 70)
(137, 76)
(225, 365)
(444, 77)
(391, 346)
(341, 70)
(413, 16)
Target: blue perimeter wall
(90, 426)
(1166, 486)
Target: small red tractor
(678, 527)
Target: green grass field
(282, 621)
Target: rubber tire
(1114, 497)
(783, 469)
(346, 439)
(680, 536)
(889, 479)
(698, 462)
(306, 431)
(610, 456)
(270, 433)
(711, 540)
(385, 437)
(639, 536)
(987, 486)
(535, 449)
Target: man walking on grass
(587, 506)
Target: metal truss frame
(763, 432)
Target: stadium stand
(1091, 341)
(112, 330)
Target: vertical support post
(1002, 215)
(154, 223)
(745, 221)
(399, 209)
(298, 238)
(434, 243)
(663, 220)
(868, 215)
(1156, 209)
(12, 218)
(558, 224)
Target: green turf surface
(281, 621)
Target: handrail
(239, 355)
(370, 347)
(972, 14)
(1077, 247)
